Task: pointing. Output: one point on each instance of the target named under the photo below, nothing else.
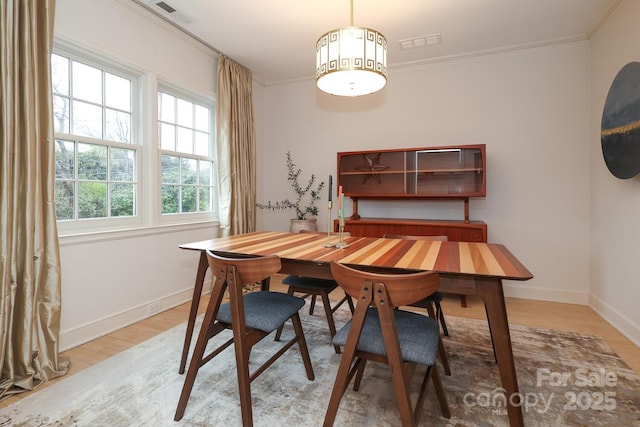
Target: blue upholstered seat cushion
(310, 283)
(264, 310)
(418, 336)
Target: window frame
(87, 225)
(169, 88)
(145, 86)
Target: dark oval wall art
(620, 129)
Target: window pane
(92, 199)
(122, 199)
(122, 164)
(65, 160)
(92, 162)
(185, 140)
(206, 169)
(202, 144)
(117, 92)
(185, 113)
(60, 114)
(205, 199)
(202, 118)
(189, 171)
(64, 196)
(170, 170)
(166, 107)
(87, 119)
(167, 135)
(60, 74)
(170, 198)
(118, 126)
(87, 83)
(189, 199)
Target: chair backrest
(407, 237)
(248, 270)
(402, 289)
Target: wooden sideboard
(458, 231)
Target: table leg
(490, 290)
(203, 265)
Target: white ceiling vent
(421, 41)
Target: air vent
(166, 7)
(421, 41)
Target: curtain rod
(178, 27)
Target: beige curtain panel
(236, 148)
(29, 255)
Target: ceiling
(276, 39)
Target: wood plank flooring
(541, 314)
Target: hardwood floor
(540, 314)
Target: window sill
(99, 236)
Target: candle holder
(329, 244)
(341, 244)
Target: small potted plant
(305, 200)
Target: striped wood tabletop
(476, 259)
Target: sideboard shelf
(444, 172)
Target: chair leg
(329, 314)
(196, 360)
(290, 291)
(443, 357)
(244, 383)
(440, 317)
(350, 302)
(302, 345)
(312, 306)
(442, 398)
(359, 374)
(441, 349)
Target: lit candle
(330, 185)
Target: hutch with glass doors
(455, 172)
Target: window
(187, 165)
(113, 171)
(95, 142)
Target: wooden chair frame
(385, 293)
(232, 274)
(324, 295)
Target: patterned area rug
(566, 379)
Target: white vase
(310, 224)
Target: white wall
(615, 203)
(114, 279)
(531, 109)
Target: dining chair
(436, 298)
(382, 332)
(314, 288)
(251, 317)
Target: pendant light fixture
(351, 61)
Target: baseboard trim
(74, 337)
(618, 320)
(516, 290)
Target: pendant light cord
(351, 22)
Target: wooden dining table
(465, 268)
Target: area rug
(566, 379)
